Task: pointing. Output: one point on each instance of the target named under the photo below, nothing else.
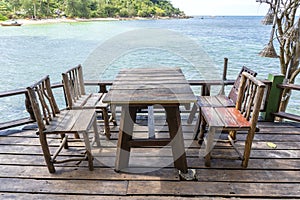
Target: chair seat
(215, 101)
(225, 118)
(90, 101)
(72, 120)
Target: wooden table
(142, 87)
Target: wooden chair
(51, 120)
(221, 100)
(243, 116)
(77, 98)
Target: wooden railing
(103, 85)
(21, 121)
(289, 86)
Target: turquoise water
(196, 45)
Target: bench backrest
(234, 90)
(42, 102)
(250, 96)
(73, 85)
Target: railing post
(273, 98)
(29, 107)
(102, 88)
(224, 78)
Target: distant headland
(87, 10)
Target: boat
(11, 23)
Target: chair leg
(113, 118)
(88, 150)
(197, 127)
(202, 129)
(66, 146)
(232, 134)
(209, 145)
(46, 152)
(192, 114)
(106, 122)
(96, 134)
(248, 145)
(76, 135)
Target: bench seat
(287, 116)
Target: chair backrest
(73, 85)
(250, 96)
(234, 90)
(42, 102)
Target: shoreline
(73, 20)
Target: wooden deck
(272, 173)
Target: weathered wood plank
(191, 150)
(189, 142)
(150, 82)
(214, 189)
(156, 162)
(269, 160)
(163, 174)
(63, 186)
(80, 173)
(26, 196)
(148, 87)
(264, 163)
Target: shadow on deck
(272, 172)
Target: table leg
(175, 130)
(128, 117)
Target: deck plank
(63, 186)
(272, 173)
(214, 189)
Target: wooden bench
(77, 98)
(243, 116)
(289, 116)
(285, 115)
(51, 120)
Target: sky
(221, 7)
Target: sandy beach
(60, 20)
(72, 20)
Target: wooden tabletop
(150, 86)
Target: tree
(78, 8)
(87, 8)
(29, 6)
(285, 30)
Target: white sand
(60, 20)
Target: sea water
(197, 45)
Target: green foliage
(87, 8)
(2, 18)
